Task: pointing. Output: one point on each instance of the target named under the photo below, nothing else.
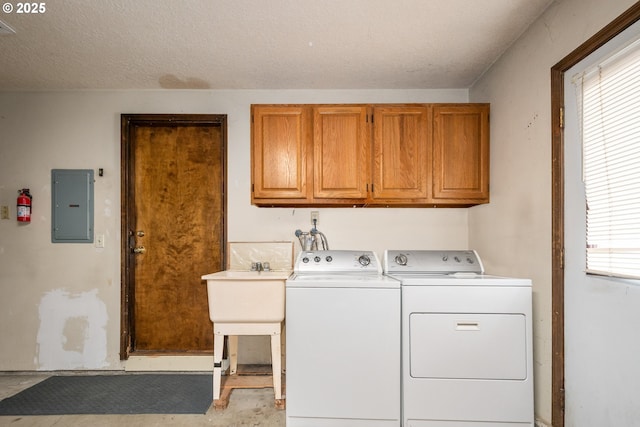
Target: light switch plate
(4, 212)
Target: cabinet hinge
(561, 117)
(253, 188)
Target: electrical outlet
(100, 241)
(4, 212)
(315, 217)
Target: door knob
(139, 250)
(140, 233)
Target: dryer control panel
(432, 261)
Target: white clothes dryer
(343, 342)
(466, 342)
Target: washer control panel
(432, 261)
(337, 261)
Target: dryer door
(468, 346)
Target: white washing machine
(467, 356)
(343, 342)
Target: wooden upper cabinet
(341, 152)
(461, 154)
(401, 138)
(370, 155)
(280, 137)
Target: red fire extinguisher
(24, 205)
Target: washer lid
(432, 261)
(342, 280)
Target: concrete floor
(247, 407)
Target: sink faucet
(260, 266)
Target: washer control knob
(470, 260)
(445, 258)
(329, 258)
(401, 259)
(456, 258)
(305, 260)
(364, 260)
(317, 258)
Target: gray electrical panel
(72, 205)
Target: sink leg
(218, 344)
(233, 354)
(276, 365)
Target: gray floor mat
(114, 394)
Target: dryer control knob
(317, 259)
(305, 260)
(329, 258)
(401, 259)
(364, 260)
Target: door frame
(128, 123)
(615, 27)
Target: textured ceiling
(259, 44)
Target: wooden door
(341, 152)
(280, 140)
(400, 144)
(461, 153)
(173, 206)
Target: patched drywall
(72, 333)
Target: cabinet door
(340, 152)
(461, 153)
(280, 140)
(400, 142)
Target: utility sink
(246, 296)
(246, 303)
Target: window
(610, 114)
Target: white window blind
(611, 163)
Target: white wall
(513, 232)
(60, 303)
